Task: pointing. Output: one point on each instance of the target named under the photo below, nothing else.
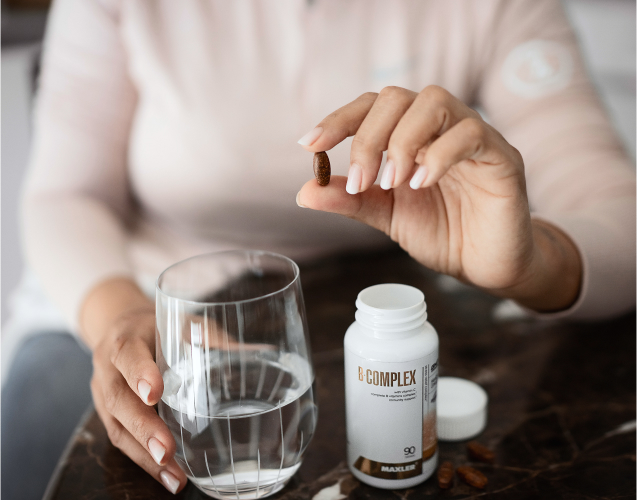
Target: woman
(167, 129)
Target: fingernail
(143, 388)
(310, 138)
(354, 178)
(298, 200)
(170, 482)
(419, 177)
(387, 180)
(157, 449)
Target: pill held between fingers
(472, 477)
(322, 169)
(480, 453)
(445, 475)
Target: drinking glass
(233, 350)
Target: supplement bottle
(391, 361)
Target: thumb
(372, 207)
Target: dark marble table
(561, 409)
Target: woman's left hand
(452, 194)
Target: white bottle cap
(462, 409)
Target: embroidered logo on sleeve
(537, 68)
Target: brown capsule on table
(322, 169)
(472, 477)
(445, 475)
(480, 453)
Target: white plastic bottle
(391, 361)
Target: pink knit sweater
(168, 128)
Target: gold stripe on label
(429, 452)
(429, 435)
(389, 471)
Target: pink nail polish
(419, 177)
(170, 482)
(143, 388)
(389, 174)
(157, 449)
(354, 179)
(310, 138)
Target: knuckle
(401, 145)
(115, 435)
(392, 93)
(517, 156)
(361, 143)
(475, 114)
(118, 347)
(436, 95)
(369, 96)
(138, 428)
(111, 399)
(474, 129)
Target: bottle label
(391, 415)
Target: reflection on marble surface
(561, 411)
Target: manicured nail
(387, 180)
(354, 179)
(310, 138)
(170, 482)
(298, 200)
(143, 388)
(419, 177)
(157, 449)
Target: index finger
(339, 125)
(134, 359)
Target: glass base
(245, 484)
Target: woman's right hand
(126, 384)
(452, 194)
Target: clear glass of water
(233, 350)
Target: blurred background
(606, 30)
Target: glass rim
(295, 267)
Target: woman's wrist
(106, 303)
(552, 281)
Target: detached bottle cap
(462, 409)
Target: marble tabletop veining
(561, 417)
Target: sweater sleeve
(76, 198)
(535, 91)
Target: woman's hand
(126, 381)
(452, 194)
